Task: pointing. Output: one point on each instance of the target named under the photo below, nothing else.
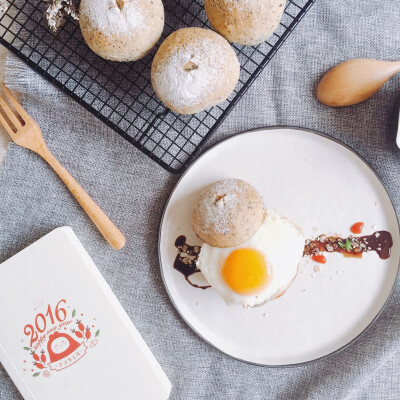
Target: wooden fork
(25, 132)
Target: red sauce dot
(24, 360)
(357, 227)
(319, 258)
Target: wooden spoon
(354, 81)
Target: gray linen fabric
(133, 191)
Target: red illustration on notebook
(63, 349)
(60, 345)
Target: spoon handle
(395, 68)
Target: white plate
(322, 186)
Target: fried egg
(258, 270)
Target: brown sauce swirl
(185, 261)
(381, 242)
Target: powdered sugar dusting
(57, 11)
(245, 3)
(192, 73)
(221, 206)
(113, 15)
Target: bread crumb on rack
(57, 11)
(3, 6)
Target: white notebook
(63, 333)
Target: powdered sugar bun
(247, 22)
(121, 30)
(194, 69)
(227, 213)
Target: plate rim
(242, 133)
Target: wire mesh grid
(120, 94)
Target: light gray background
(133, 191)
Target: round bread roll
(247, 22)
(121, 30)
(194, 69)
(227, 213)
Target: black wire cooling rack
(120, 94)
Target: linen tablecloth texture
(133, 190)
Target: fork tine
(10, 113)
(24, 115)
(7, 126)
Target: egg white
(282, 245)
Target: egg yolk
(245, 271)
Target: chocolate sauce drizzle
(381, 242)
(185, 261)
(353, 246)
